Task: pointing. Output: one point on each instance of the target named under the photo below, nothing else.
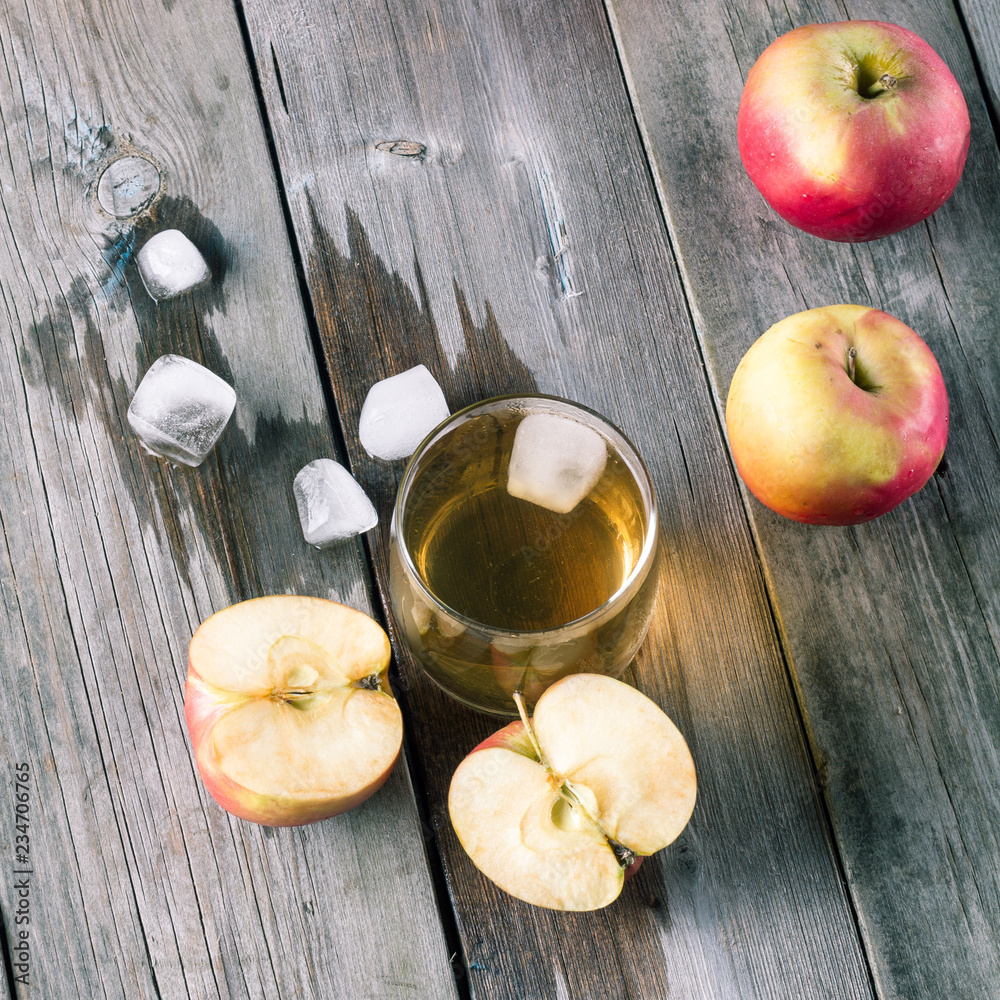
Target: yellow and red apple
(836, 415)
(557, 810)
(852, 130)
(288, 709)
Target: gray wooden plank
(469, 191)
(891, 627)
(142, 886)
(982, 23)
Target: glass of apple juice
(522, 549)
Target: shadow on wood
(221, 497)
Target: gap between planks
(410, 756)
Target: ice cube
(399, 412)
(180, 409)
(332, 506)
(170, 265)
(555, 461)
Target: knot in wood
(128, 186)
(401, 147)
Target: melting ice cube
(332, 506)
(555, 461)
(170, 265)
(180, 409)
(399, 412)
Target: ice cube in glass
(555, 461)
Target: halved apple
(555, 809)
(288, 708)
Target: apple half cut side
(288, 708)
(555, 809)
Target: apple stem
(875, 88)
(851, 366)
(519, 701)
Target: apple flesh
(555, 809)
(852, 130)
(836, 415)
(289, 712)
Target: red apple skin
(512, 737)
(204, 705)
(815, 446)
(839, 165)
(515, 737)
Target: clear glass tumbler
(522, 549)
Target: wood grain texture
(891, 627)
(982, 23)
(469, 192)
(142, 886)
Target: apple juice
(496, 593)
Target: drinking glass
(522, 549)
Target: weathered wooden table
(522, 196)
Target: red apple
(289, 712)
(557, 809)
(852, 130)
(836, 415)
